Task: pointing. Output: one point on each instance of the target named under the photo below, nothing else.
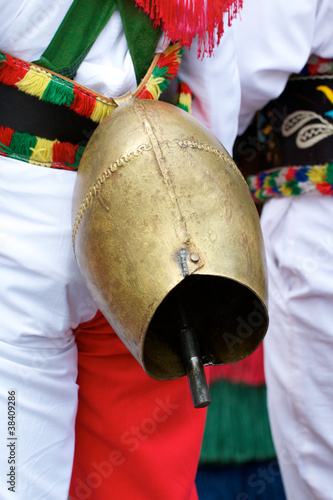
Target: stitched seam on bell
(210, 149)
(96, 187)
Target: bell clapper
(193, 363)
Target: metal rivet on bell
(194, 257)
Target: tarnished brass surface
(160, 213)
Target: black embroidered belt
(288, 149)
(297, 127)
(47, 119)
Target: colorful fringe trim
(39, 151)
(248, 371)
(237, 428)
(185, 96)
(251, 481)
(165, 70)
(49, 87)
(298, 180)
(292, 181)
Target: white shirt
(274, 39)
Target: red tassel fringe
(182, 20)
(83, 103)
(325, 188)
(6, 135)
(12, 72)
(64, 152)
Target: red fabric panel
(136, 438)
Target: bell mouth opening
(227, 317)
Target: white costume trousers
(43, 299)
(299, 343)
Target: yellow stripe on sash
(34, 83)
(42, 152)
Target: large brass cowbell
(168, 240)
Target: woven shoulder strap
(83, 23)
